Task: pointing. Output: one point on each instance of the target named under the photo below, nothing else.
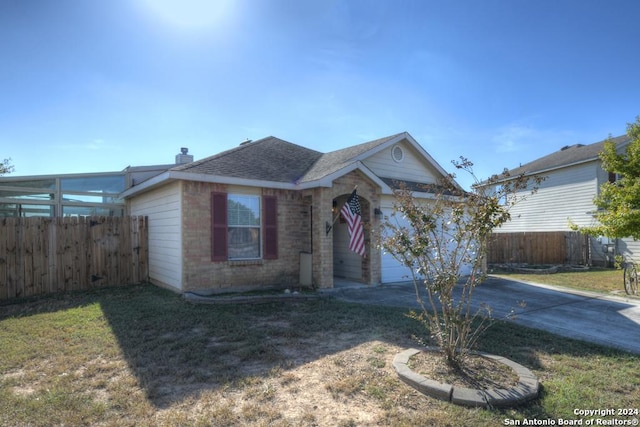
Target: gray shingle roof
(275, 160)
(336, 160)
(568, 155)
(267, 159)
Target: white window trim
(400, 150)
(259, 227)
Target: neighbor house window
(243, 227)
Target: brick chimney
(184, 157)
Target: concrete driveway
(610, 320)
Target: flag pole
(328, 227)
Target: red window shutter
(218, 226)
(270, 226)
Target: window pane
(16, 210)
(8, 210)
(244, 242)
(48, 184)
(36, 210)
(94, 184)
(26, 194)
(91, 199)
(91, 211)
(243, 210)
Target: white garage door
(392, 270)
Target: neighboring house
(573, 176)
(259, 214)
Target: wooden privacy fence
(47, 255)
(556, 247)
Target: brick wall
(295, 234)
(369, 194)
(200, 273)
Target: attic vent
(397, 154)
(245, 142)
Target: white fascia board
(327, 180)
(431, 160)
(218, 179)
(150, 183)
(201, 177)
(372, 176)
(393, 141)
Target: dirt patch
(478, 372)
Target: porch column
(322, 243)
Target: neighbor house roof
(272, 162)
(567, 156)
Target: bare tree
(6, 167)
(443, 241)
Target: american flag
(353, 216)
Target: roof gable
(361, 154)
(335, 161)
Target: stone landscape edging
(525, 390)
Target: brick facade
(201, 273)
(296, 212)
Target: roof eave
(147, 185)
(170, 176)
(538, 172)
(620, 146)
(327, 180)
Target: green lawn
(142, 356)
(597, 280)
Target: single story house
(261, 214)
(573, 177)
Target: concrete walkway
(609, 320)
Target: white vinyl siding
(413, 167)
(629, 249)
(566, 195)
(163, 208)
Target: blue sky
(89, 86)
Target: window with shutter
(243, 227)
(218, 226)
(270, 227)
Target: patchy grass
(596, 280)
(144, 356)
